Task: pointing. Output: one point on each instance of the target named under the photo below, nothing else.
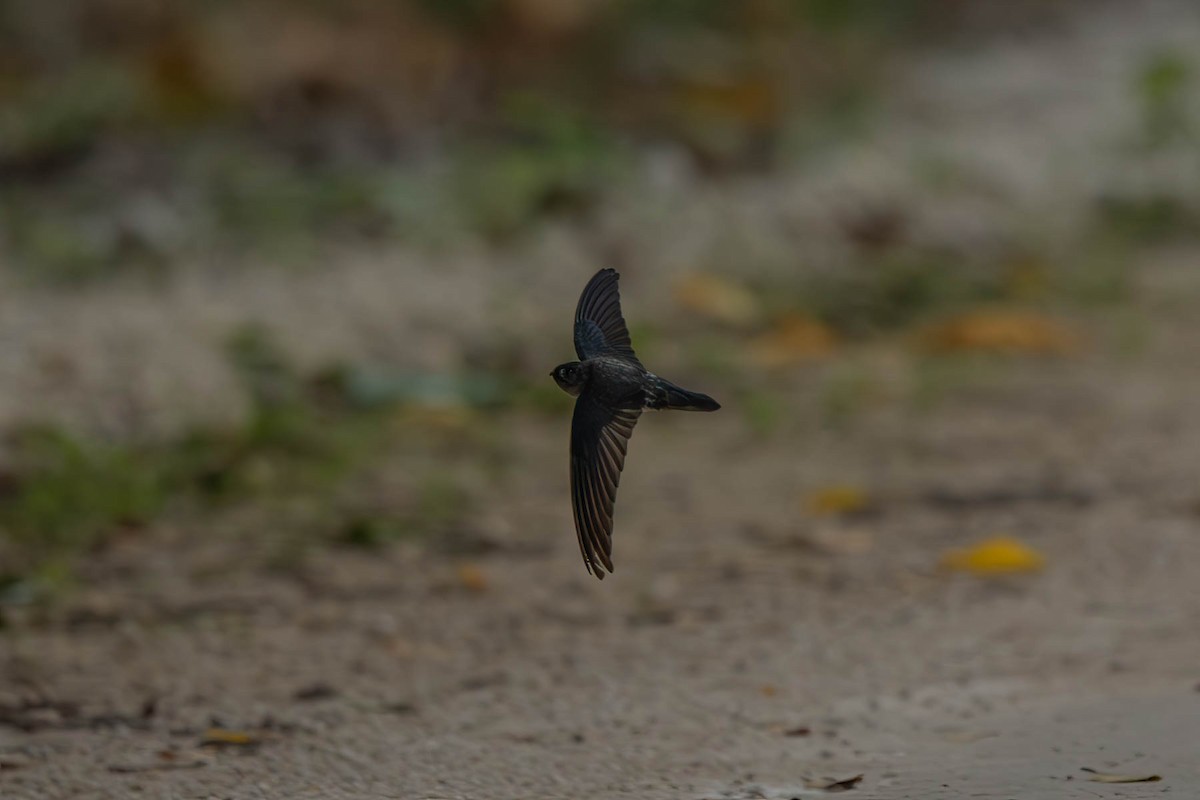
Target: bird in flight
(611, 388)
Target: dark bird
(612, 388)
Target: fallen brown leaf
(752, 100)
(832, 784)
(167, 760)
(717, 298)
(1000, 331)
(792, 340)
(472, 578)
(1106, 777)
(837, 499)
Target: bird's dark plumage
(612, 388)
(599, 327)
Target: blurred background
(229, 228)
(282, 282)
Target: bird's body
(620, 383)
(612, 388)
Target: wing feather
(599, 327)
(599, 442)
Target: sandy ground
(742, 646)
(733, 619)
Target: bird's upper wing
(599, 327)
(599, 435)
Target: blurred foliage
(306, 438)
(62, 493)
(1162, 88)
(895, 291)
(804, 316)
(935, 378)
(1165, 92)
(813, 310)
(56, 119)
(846, 390)
(763, 411)
(550, 162)
(134, 135)
(1148, 218)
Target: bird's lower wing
(599, 438)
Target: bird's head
(570, 377)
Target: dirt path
(733, 619)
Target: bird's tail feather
(675, 397)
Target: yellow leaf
(792, 340)
(472, 578)
(997, 556)
(226, 736)
(717, 298)
(836, 500)
(1001, 331)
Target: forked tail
(667, 395)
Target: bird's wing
(599, 327)
(599, 435)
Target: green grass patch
(895, 290)
(306, 444)
(66, 494)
